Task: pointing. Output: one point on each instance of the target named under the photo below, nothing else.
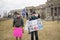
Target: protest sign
(34, 25)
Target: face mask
(36, 15)
(18, 15)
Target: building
(53, 9)
(11, 13)
(30, 9)
(41, 10)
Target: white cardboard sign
(33, 25)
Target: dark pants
(36, 35)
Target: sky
(6, 5)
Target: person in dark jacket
(18, 27)
(39, 16)
(33, 17)
(27, 15)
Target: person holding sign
(33, 25)
(33, 17)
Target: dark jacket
(18, 22)
(38, 16)
(33, 18)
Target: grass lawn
(51, 31)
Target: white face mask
(36, 15)
(18, 15)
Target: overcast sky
(15, 4)
(19, 4)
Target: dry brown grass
(51, 31)
(3, 19)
